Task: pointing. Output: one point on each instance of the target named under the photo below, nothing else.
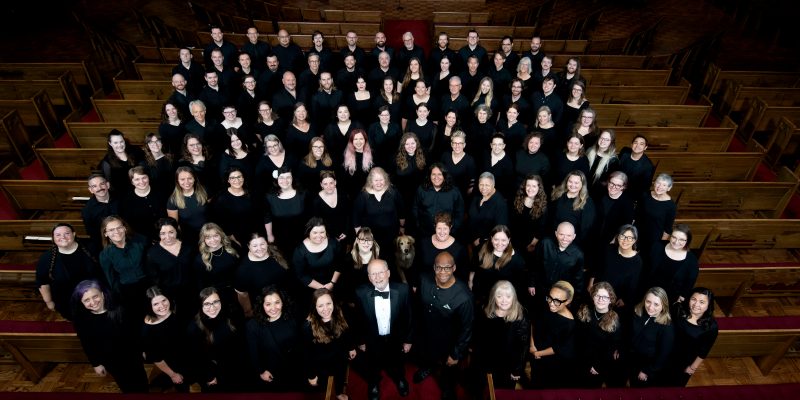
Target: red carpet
(735, 392)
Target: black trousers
(385, 354)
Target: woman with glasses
(384, 136)
(238, 153)
(572, 158)
(614, 208)
(159, 165)
(673, 266)
(651, 340)
(461, 165)
(600, 336)
(621, 267)
(233, 208)
(586, 127)
(574, 96)
(602, 160)
(268, 122)
(500, 164)
(317, 159)
(216, 345)
(275, 157)
(334, 207)
(123, 263)
(215, 265)
(656, 213)
(262, 266)
(243, 130)
(481, 132)
(354, 272)
(553, 340)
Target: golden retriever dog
(404, 255)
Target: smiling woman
(163, 339)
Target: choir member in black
(275, 158)
(656, 214)
(500, 75)
(535, 54)
(285, 213)
(325, 54)
(568, 78)
(480, 133)
(262, 266)
(286, 97)
(553, 340)
(511, 58)
(548, 97)
(412, 76)
(358, 160)
(289, 53)
(385, 335)
(192, 72)
(247, 104)
(388, 97)
(600, 339)
(328, 343)
(437, 194)
(585, 126)
(471, 78)
(362, 103)
(496, 260)
(317, 260)
(169, 265)
(317, 160)
(512, 128)
(204, 128)
(308, 80)
(528, 215)
(571, 203)
(345, 77)
(337, 134)
(542, 71)
(441, 77)
(557, 258)
(118, 160)
(651, 340)
(531, 158)
(62, 267)
(514, 96)
(384, 138)
(419, 93)
(215, 265)
(461, 165)
(455, 99)
(197, 158)
(575, 101)
(299, 133)
(257, 49)
(571, 159)
(215, 93)
(695, 333)
(123, 263)
(486, 95)
(238, 154)
(446, 324)
(106, 337)
(602, 160)
(440, 241)
(188, 204)
(172, 129)
(621, 267)
(354, 269)
(101, 205)
(234, 208)
(502, 333)
(499, 163)
(216, 346)
(233, 123)
(273, 342)
(410, 162)
(164, 340)
(380, 207)
(268, 123)
(325, 102)
(551, 144)
(159, 165)
(614, 208)
(423, 128)
(634, 163)
(673, 266)
(524, 71)
(444, 133)
(332, 205)
(487, 209)
(144, 205)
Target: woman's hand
(593, 371)
(212, 383)
(266, 376)
(100, 370)
(313, 381)
(351, 354)
(642, 377)
(176, 378)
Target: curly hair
(539, 201)
(322, 332)
(609, 322)
(419, 156)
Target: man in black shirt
(548, 97)
(557, 259)
(384, 69)
(634, 163)
(380, 47)
(289, 54)
(472, 48)
(442, 50)
(180, 97)
(269, 80)
(352, 48)
(204, 128)
(471, 78)
(535, 53)
(99, 206)
(324, 104)
(213, 95)
(257, 49)
(447, 317)
(347, 77)
(500, 75)
(409, 51)
(191, 71)
(218, 43)
(511, 56)
(456, 101)
(285, 98)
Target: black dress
(143, 212)
(650, 346)
(691, 341)
(266, 173)
(654, 218)
(337, 219)
(162, 174)
(462, 172)
(558, 370)
(524, 228)
(275, 347)
(322, 360)
(253, 276)
(336, 140)
(191, 217)
(426, 134)
(235, 215)
(515, 271)
(172, 138)
(426, 255)
(221, 276)
(676, 277)
(597, 348)
(527, 163)
(561, 210)
(308, 177)
(319, 266)
(562, 166)
(503, 171)
(107, 341)
(484, 217)
(381, 215)
(407, 180)
(277, 128)
(500, 347)
(297, 141)
(352, 183)
(622, 273)
(173, 274)
(165, 342)
(247, 165)
(217, 354)
(361, 110)
(288, 218)
(116, 172)
(384, 144)
(62, 272)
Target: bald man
(557, 258)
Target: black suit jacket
(400, 325)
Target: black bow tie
(378, 293)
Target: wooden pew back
(70, 163)
(13, 233)
(37, 113)
(766, 341)
(153, 71)
(85, 73)
(49, 195)
(625, 77)
(36, 346)
(670, 95)
(94, 134)
(15, 142)
(678, 138)
(62, 91)
(143, 89)
(650, 115)
(695, 167)
(128, 110)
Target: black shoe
(402, 386)
(421, 374)
(373, 393)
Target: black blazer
(400, 329)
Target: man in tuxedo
(385, 309)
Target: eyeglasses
(318, 147)
(117, 229)
(377, 274)
(602, 298)
(615, 186)
(365, 241)
(264, 109)
(229, 112)
(677, 239)
(211, 304)
(442, 268)
(154, 141)
(236, 178)
(457, 143)
(626, 238)
(554, 301)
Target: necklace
(597, 317)
(217, 252)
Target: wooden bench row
(736, 97)
(761, 117)
(37, 113)
(85, 74)
(63, 91)
(715, 79)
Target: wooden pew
(144, 89)
(15, 142)
(761, 117)
(154, 72)
(46, 195)
(766, 339)
(668, 95)
(650, 115)
(128, 110)
(625, 77)
(38, 345)
(735, 199)
(63, 91)
(23, 234)
(85, 73)
(784, 142)
(70, 163)
(679, 138)
(94, 134)
(735, 97)
(37, 113)
(715, 77)
(694, 167)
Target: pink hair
(350, 153)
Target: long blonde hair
(205, 252)
(663, 317)
(199, 192)
(515, 313)
(583, 195)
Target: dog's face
(405, 244)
